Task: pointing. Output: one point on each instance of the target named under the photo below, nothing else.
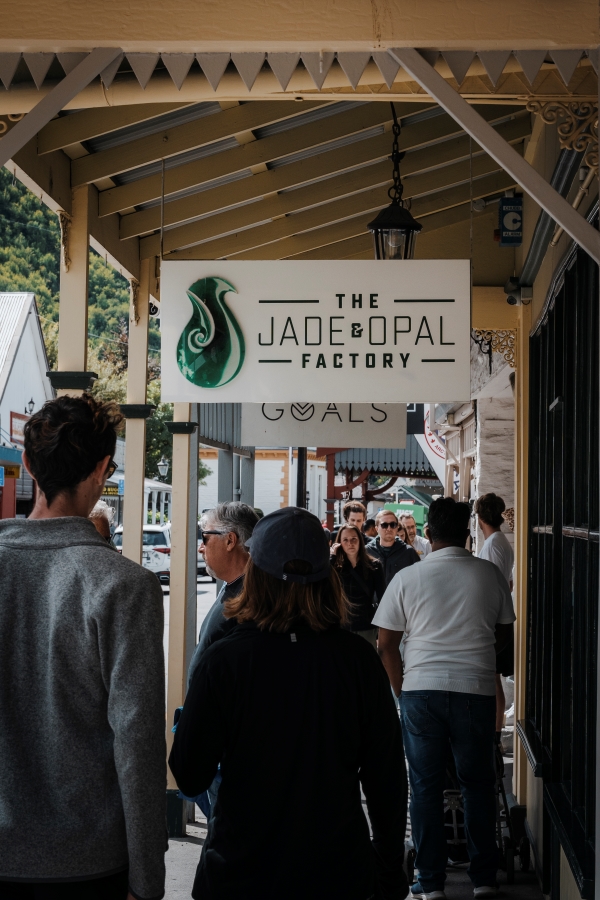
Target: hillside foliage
(30, 261)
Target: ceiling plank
(339, 208)
(263, 151)
(91, 123)
(320, 236)
(368, 150)
(180, 138)
(363, 243)
(423, 206)
(442, 155)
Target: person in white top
(455, 613)
(421, 545)
(496, 549)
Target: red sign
(17, 425)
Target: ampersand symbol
(356, 329)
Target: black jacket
(393, 560)
(364, 587)
(215, 626)
(299, 722)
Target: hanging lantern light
(394, 229)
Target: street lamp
(163, 467)
(394, 229)
(30, 406)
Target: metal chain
(395, 191)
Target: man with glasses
(225, 530)
(387, 546)
(82, 691)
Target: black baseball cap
(286, 534)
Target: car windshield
(155, 539)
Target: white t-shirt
(448, 608)
(422, 546)
(496, 549)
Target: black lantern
(163, 467)
(394, 229)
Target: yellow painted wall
(310, 25)
(535, 810)
(568, 885)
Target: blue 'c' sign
(510, 221)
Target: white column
(135, 505)
(162, 507)
(154, 504)
(73, 307)
(180, 522)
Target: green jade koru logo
(211, 348)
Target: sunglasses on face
(388, 524)
(111, 468)
(204, 534)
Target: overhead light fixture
(30, 406)
(394, 229)
(163, 467)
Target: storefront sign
(110, 490)
(17, 425)
(12, 471)
(324, 425)
(280, 331)
(510, 221)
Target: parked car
(156, 549)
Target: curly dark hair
(66, 439)
(489, 508)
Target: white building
(24, 388)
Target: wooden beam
(180, 138)
(436, 155)
(522, 173)
(200, 171)
(51, 104)
(313, 167)
(90, 123)
(424, 206)
(272, 241)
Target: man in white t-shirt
(421, 545)
(496, 549)
(455, 612)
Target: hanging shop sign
(324, 425)
(510, 221)
(351, 331)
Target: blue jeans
(431, 719)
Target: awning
(410, 462)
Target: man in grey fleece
(82, 694)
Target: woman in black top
(362, 579)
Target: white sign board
(324, 425)
(351, 331)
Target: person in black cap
(299, 713)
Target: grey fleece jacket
(82, 709)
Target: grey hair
(102, 510)
(236, 517)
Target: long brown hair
(339, 557)
(277, 605)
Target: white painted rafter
(488, 138)
(55, 100)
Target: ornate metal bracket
(504, 342)
(578, 128)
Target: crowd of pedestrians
(290, 717)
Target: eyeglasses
(388, 524)
(203, 534)
(111, 468)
